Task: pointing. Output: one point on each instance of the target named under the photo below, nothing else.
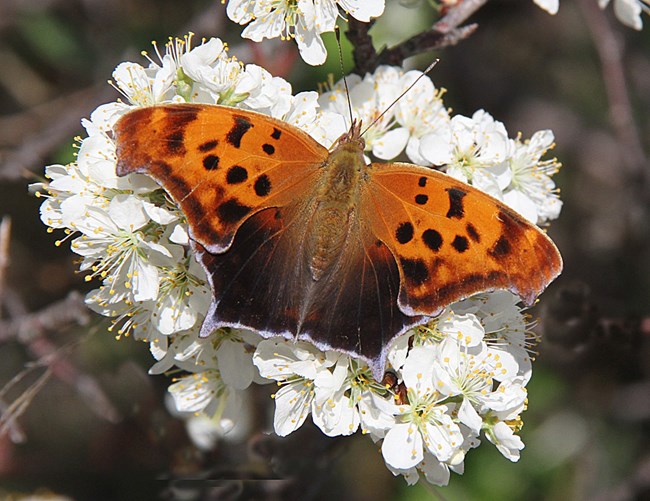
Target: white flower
(334, 412)
(474, 150)
(294, 366)
(145, 87)
(303, 20)
(423, 425)
(628, 11)
(369, 98)
(205, 392)
(420, 111)
(346, 396)
(532, 192)
(183, 296)
(508, 444)
(507, 334)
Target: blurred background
(92, 425)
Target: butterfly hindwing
(264, 282)
(220, 164)
(451, 240)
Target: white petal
(179, 235)
(292, 406)
(402, 446)
(443, 438)
(437, 147)
(128, 212)
(469, 417)
(435, 472)
(235, 364)
(311, 46)
(390, 144)
(550, 6)
(158, 214)
(506, 441)
(418, 369)
(363, 10)
(629, 13)
(240, 11)
(146, 282)
(522, 204)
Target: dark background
(94, 425)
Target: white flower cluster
(306, 20)
(627, 11)
(302, 20)
(461, 374)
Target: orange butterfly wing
(257, 194)
(451, 240)
(220, 164)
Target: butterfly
(314, 244)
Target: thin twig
(458, 14)
(5, 235)
(20, 405)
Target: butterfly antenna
(337, 31)
(424, 73)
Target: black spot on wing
(175, 142)
(404, 233)
(460, 243)
(236, 175)
(276, 133)
(232, 211)
(269, 149)
(211, 162)
(456, 208)
(422, 182)
(262, 186)
(432, 239)
(415, 270)
(238, 130)
(421, 199)
(501, 248)
(208, 145)
(176, 121)
(512, 232)
(473, 233)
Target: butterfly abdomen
(337, 198)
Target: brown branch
(610, 51)
(363, 53)
(422, 42)
(447, 31)
(42, 129)
(27, 328)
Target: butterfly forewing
(220, 164)
(451, 240)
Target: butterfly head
(352, 137)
